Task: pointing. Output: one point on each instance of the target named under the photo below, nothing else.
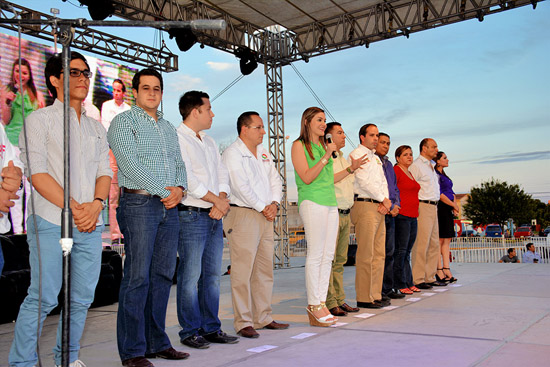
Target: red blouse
(408, 192)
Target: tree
(495, 202)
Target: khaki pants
(370, 230)
(250, 238)
(336, 295)
(425, 252)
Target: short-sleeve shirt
(507, 259)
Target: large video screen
(36, 54)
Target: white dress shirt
(110, 109)
(424, 173)
(205, 169)
(255, 182)
(370, 181)
(7, 153)
(343, 188)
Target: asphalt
(495, 315)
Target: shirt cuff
(259, 206)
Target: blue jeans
(405, 235)
(85, 268)
(200, 251)
(387, 284)
(150, 241)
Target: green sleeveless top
(13, 129)
(321, 189)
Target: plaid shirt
(147, 152)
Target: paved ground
(496, 315)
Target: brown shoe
(169, 353)
(274, 325)
(248, 332)
(344, 306)
(337, 311)
(137, 362)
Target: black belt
(238, 206)
(182, 208)
(136, 191)
(367, 199)
(431, 202)
(344, 211)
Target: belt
(367, 199)
(428, 202)
(183, 208)
(238, 206)
(137, 191)
(344, 211)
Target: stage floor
(495, 315)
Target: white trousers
(321, 228)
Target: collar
(59, 107)
(141, 111)
(188, 131)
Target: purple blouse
(446, 186)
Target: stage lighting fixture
(185, 38)
(480, 15)
(248, 62)
(534, 3)
(99, 9)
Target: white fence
(490, 250)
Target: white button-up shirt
(255, 182)
(370, 181)
(7, 153)
(424, 173)
(205, 169)
(109, 110)
(343, 188)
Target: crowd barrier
(490, 250)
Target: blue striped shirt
(147, 152)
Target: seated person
(530, 256)
(510, 258)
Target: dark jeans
(150, 241)
(200, 251)
(405, 235)
(387, 284)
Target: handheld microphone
(329, 139)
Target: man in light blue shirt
(530, 256)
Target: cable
(228, 87)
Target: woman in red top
(406, 221)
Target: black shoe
(385, 298)
(383, 302)
(423, 286)
(437, 283)
(368, 305)
(169, 353)
(395, 294)
(221, 337)
(196, 341)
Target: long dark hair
(438, 157)
(30, 83)
(305, 130)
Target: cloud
(181, 82)
(221, 66)
(511, 157)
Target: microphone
(329, 139)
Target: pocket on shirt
(93, 148)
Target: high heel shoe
(448, 278)
(439, 279)
(324, 321)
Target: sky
(480, 89)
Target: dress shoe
(348, 308)
(337, 311)
(395, 294)
(169, 353)
(248, 332)
(383, 302)
(137, 362)
(274, 325)
(423, 286)
(196, 341)
(221, 337)
(385, 298)
(437, 283)
(368, 305)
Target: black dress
(445, 216)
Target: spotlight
(367, 44)
(406, 33)
(480, 15)
(248, 62)
(99, 9)
(534, 3)
(185, 38)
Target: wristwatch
(103, 203)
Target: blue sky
(481, 89)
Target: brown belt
(135, 191)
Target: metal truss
(372, 23)
(274, 82)
(87, 39)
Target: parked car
(545, 232)
(523, 232)
(469, 233)
(493, 230)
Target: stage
(495, 315)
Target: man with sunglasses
(256, 190)
(90, 179)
